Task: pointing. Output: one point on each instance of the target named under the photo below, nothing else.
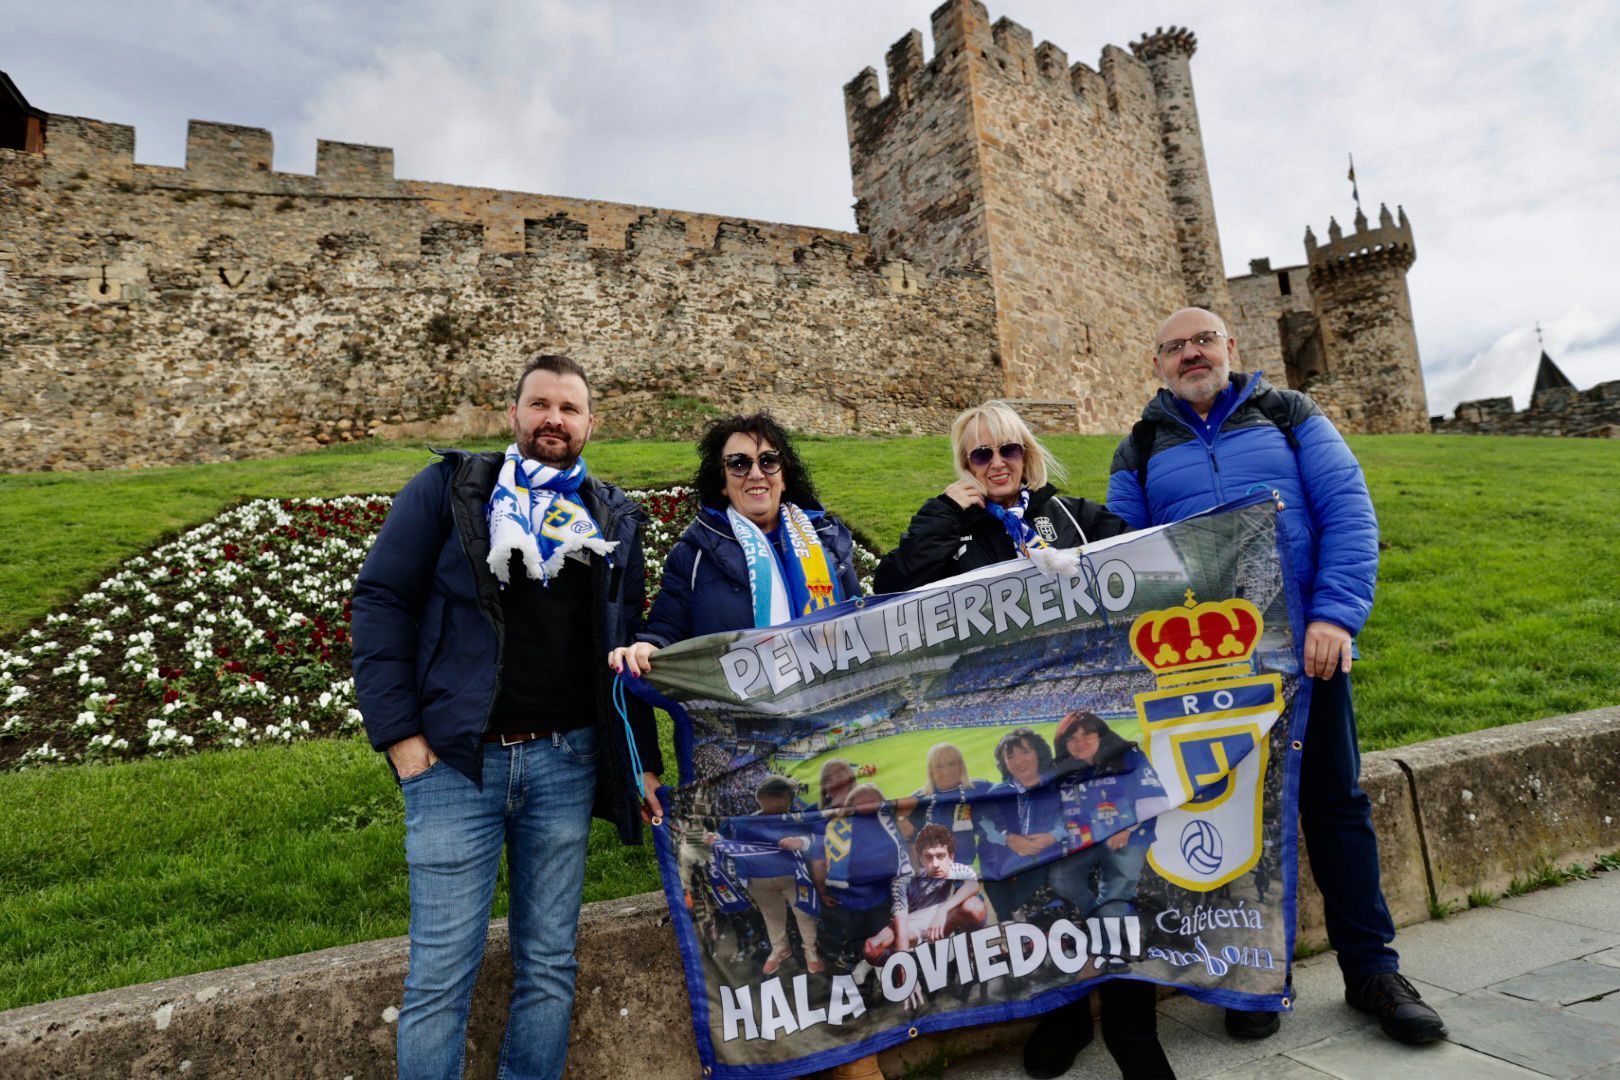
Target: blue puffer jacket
(429, 628)
(705, 585)
(1331, 530)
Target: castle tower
(1168, 55)
(998, 154)
(1373, 382)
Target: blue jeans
(1117, 875)
(1336, 817)
(536, 802)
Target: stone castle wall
(1052, 178)
(1025, 224)
(1259, 308)
(227, 311)
(1590, 413)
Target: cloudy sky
(1493, 122)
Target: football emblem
(1201, 846)
(1048, 531)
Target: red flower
(234, 665)
(256, 676)
(222, 651)
(170, 695)
(326, 652)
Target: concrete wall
(1465, 812)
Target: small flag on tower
(1354, 193)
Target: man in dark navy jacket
(1212, 436)
(482, 679)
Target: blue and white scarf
(534, 512)
(810, 582)
(1058, 562)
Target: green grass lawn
(1497, 603)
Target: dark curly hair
(710, 478)
(1111, 747)
(1028, 738)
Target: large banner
(971, 802)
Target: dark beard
(562, 461)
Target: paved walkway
(1529, 988)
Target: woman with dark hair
(1110, 795)
(1023, 823)
(761, 552)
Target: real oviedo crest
(1208, 727)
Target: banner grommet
(1298, 745)
(912, 1033)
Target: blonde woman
(948, 798)
(1004, 504)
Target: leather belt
(512, 738)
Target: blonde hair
(939, 754)
(1003, 425)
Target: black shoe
(1401, 1011)
(1058, 1039)
(1252, 1025)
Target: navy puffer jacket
(1331, 530)
(429, 628)
(705, 586)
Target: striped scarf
(534, 512)
(808, 584)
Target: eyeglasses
(1012, 453)
(740, 465)
(1174, 347)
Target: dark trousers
(1336, 816)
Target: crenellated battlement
(227, 152)
(962, 31)
(1387, 247)
(340, 163)
(1177, 41)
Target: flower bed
(233, 634)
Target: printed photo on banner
(927, 810)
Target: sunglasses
(740, 465)
(980, 456)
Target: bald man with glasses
(1211, 436)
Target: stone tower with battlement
(1371, 380)
(1081, 191)
(1339, 326)
(1168, 55)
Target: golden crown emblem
(1197, 635)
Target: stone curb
(1466, 812)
